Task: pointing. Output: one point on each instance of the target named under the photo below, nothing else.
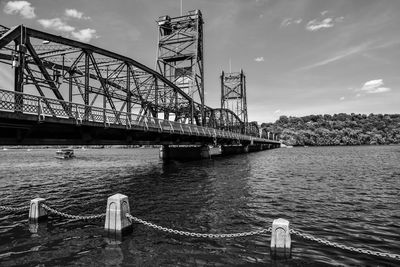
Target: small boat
(65, 153)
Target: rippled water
(349, 195)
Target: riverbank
(337, 130)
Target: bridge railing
(11, 101)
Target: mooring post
(116, 220)
(280, 239)
(36, 211)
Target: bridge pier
(240, 149)
(184, 152)
(235, 149)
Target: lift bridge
(72, 93)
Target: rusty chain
(70, 216)
(337, 245)
(14, 209)
(192, 234)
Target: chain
(78, 217)
(14, 209)
(214, 236)
(184, 233)
(337, 245)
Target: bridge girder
(81, 72)
(56, 67)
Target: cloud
(375, 87)
(315, 25)
(277, 111)
(341, 54)
(323, 23)
(342, 98)
(259, 59)
(287, 21)
(339, 19)
(56, 24)
(23, 8)
(73, 13)
(84, 35)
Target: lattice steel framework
(180, 60)
(53, 66)
(233, 94)
(76, 73)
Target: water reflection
(113, 255)
(37, 228)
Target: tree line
(337, 129)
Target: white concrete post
(280, 238)
(117, 208)
(36, 211)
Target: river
(349, 195)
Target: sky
(300, 57)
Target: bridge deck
(33, 120)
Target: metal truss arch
(81, 72)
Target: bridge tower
(180, 60)
(233, 94)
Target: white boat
(65, 153)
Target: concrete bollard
(116, 221)
(280, 239)
(36, 211)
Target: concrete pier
(36, 211)
(184, 152)
(280, 239)
(116, 221)
(235, 149)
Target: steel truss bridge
(69, 92)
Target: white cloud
(56, 24)
(338, 56)
(23, 8)
(73, 13)
(375, 87)
(297, 21)
(84, 35)
(339, 19)
(287, 21)
(342, 98)
(277, 111)
(323, 13)
(259, 59)
(315, 25)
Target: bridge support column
(184, 152)
(231, 150)
(254, 148)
